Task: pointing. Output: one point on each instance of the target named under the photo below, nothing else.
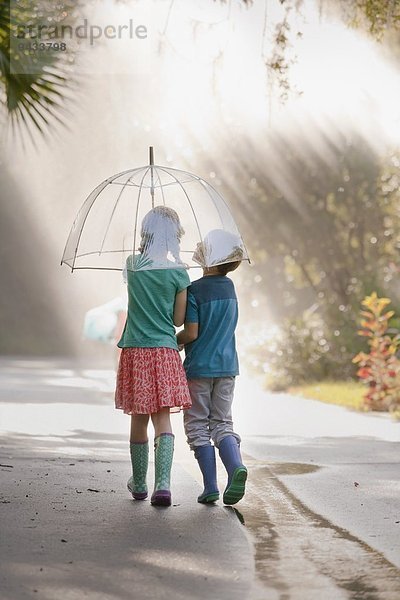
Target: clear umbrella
(153, 217)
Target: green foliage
(33, 82)
(331, 234)
(377, 16)
(308, 349)
(331, 230)
(380, 368)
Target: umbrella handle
(151, 161)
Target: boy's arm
(190, 331)
(188, 334)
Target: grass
(343, 393)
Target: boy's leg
(196, 421)
(139, 449)
(205, 456)
(226, 440)
(221, 423)
(229, 452)
(196, 418)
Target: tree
(32, 82)
(380, 18)
(331, 223)
(33, 93)
(321, 217)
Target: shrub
(380, 368)
(309, 348)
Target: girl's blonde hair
(161, 232)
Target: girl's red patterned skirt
(150, 379)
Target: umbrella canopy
(153, 217)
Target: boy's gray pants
(210, 415)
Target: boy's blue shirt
(212, 303)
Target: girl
(151, 380)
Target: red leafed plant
(380, 368)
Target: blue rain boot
(229, 452)
(205, 456)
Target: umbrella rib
(96, 253)
(100, 188)
(192, 175)
(137, 210)
(115, 252)
(148, 186)
(205, 184)
(161, 186)
(112, 215)
(96, 268)
(111, 268)
(68, 263)
(98, 191)
(124, 184)
(188, 199)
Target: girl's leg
(139, 448)
(139, 428)
(163, 454)
(162, 422)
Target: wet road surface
(301, 556)
(298, 554)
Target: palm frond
(34, 83)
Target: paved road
(341, 464)
(321, 513)
(69, 528)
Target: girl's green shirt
(151, 299)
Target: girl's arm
(119, 328)
(180, 308)
(188, 334)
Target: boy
(211, 366)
